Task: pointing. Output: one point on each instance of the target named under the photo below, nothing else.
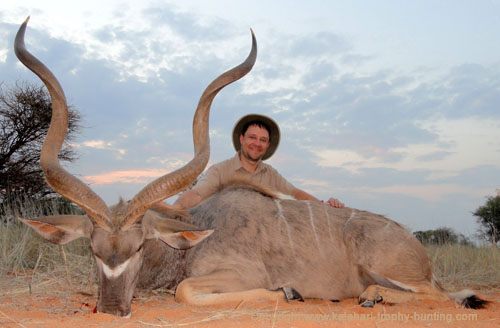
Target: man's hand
(335, 203)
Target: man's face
(254, 142)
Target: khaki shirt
(223, 172)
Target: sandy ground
(59, 303)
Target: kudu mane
(248, 184)
(232, 185)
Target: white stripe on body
(311, 219)
(280, 211)
(353, 214)
(328, 221)
(403, 286)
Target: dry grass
(459, 266)
(23, 252)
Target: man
(255, 138)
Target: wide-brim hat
(273, 126)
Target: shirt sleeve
(279, 183)
(208, 184)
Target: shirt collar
(239, 166)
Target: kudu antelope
(260, 246)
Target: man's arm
(282, 185)
(302, 195)
(188, 199)
(205, 187)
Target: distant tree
(25, 112)
(488, 217)
(441, 236)
(463, 240)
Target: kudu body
(259, 246)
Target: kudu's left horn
(57, 177)
(170, 184)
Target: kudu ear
(176, 234)
(61, 229)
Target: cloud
(100, 144)
(175, 161)
(125, 176)
(318, 44)
(379, 111)
(460, 144)
(3, 55)
(426, 192)
(4, 41)
(438, 155)
(189, 25)
(314, 183)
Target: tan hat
(273, 126)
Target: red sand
(57, 304)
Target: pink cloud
(125, 176)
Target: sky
(389, 106)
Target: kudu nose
(116, 309)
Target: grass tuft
(458, 266)
(24, 252)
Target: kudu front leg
(225, 287)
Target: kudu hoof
(292, 294)
(368, 304)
